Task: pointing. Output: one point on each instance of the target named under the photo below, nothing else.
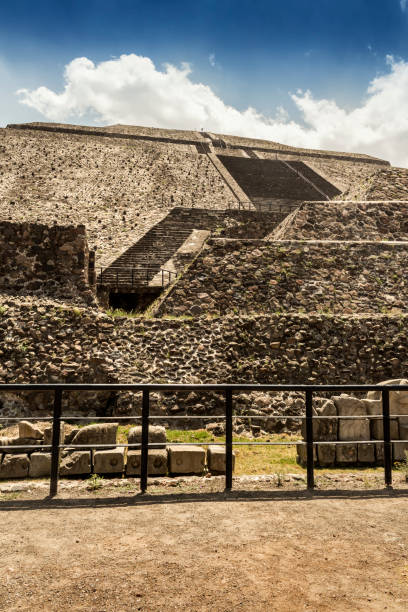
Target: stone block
(377, 429)
(102, 433)
(156, 462)
(302, 454)
(28, 430)
(323, 429)
(366, 453)
(379, 453)
(349, 406)
(157, 435)
(75, 463)
(346, 453)
(40, 465)
(398, 399)
(398, 450)
(48, 434)
(352, 429)
(216, 459)
(14, 466)
(29, 443)
(186, 459)
(110, 461)
(326, 454)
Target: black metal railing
(228, 391)
(133, 276)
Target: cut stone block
(75, 463)
(379, 453)
(14, 466)
(352, 429)
(326, 454)
(346, 453)
(323, 429)
(48, 434)
(157, 435)
(398, 450)
(28, 430)
(109, 461)
(403, 428)
(366, 453)
(302, 454)
(156, 462)
(216, 457)
(377, 429)
(349, 406)
(186, 459)
(102, 433)
(40, 465)
(29, 443)
(398, 399)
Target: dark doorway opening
(134, 301)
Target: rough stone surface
(101, 433)
(28, 430)
(366, 453)
(111, 461)
(352, 429)
(399, 450)
(75, 463)
(186, 459)
(40, 465)
(326, 454)
(346, 453)
(157, 435)
(14, 466)
(216, 457)
(156, 462)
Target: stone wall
(42, 343)
(348, 220)
(254, 276)
(384, 184)
(45, 260)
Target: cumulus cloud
(131, 90)
(403, 4)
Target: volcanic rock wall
(254, 276)
(46, 260)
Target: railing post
(387, 438)
(309, 440)
(55, 450)
(228, 439)
(145, 441)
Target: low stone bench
(156, 462)
(110, 461)
(186, 459)
(216, 459)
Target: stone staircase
(274, 179)
(318, 181)
(143, 261)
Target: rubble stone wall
(42, 259)
(255, 276)
(346, 220)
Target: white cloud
(403, 4)
(131, 90)
(211, 59)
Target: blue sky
(251, 53)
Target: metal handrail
(227, 390)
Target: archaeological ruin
(135, 255)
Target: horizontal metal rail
(228, 390)
(133, 276)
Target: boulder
(29, 443)
(156, 462)
(216, 457)
(352, 429)
(40, 465)
(157, 435)
(102, 433)
(186, 459)
(346, 453)
(75, 463)
(28, 430)
(366, 453)
(14, 466)
(110, 461)
(326, 454)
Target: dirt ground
(184, 548)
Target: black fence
(228, 391)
